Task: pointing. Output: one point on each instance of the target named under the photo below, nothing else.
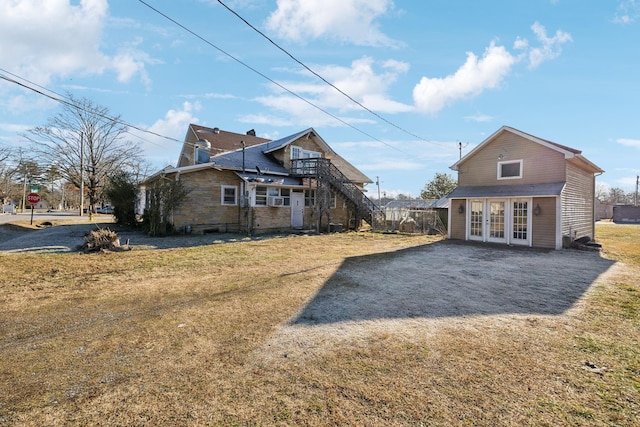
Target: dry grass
(186, 337)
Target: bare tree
(83, 135)
(7, 171)
(618, 196)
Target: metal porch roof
(518, 190)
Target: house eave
(553, 189)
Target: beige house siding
(458, 220)
(203, 203)
(540, 164)
(578, 203)
(268, 219)
(543, 226)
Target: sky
(413, 84)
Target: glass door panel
(520, 222)
(475, 222)
(496, 221)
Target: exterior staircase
(328, 177)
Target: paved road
(41, 216)
(66, 237)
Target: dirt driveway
(419, 290)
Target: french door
(499, 220)
(496, 221)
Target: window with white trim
(261, 196)
(229, 195)
(285, 193)
(510, 169)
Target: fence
(420, 221)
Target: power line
(322, 78)
(64, 100)
(193, 33)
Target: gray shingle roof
(253, 156)
(517, 190)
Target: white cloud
(351, 21)
(160, 151)
(477, 74)
(47, 38)
(361, 81)
(551, 46)
(480, 118)
(627, 142)
(627, 12)
(176, 121)
(388, 164)
(473, 77)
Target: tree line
(82, 158)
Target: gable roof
(570, 154)
(256, 155)
(309, 133)
(221, 140)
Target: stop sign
(33, 198)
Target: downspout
(593, 206)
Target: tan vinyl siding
(458, 220)
(202, 209)
(540, 164)
(543, 226)
(577, 203)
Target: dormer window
(510, 169)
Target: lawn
(194, 336)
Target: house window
(510, 170)
(301, 153)
(284, 193)
(229, 195)
(309, 198)
(261, 196)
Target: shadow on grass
(450, 278)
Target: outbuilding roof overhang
(518, 190)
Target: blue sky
(433, 74)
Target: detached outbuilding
(518, 189)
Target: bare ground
(416, 291)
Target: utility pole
(378, 184)
(81, 173)
(636, 199)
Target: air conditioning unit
(275, 201)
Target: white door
(476, 220)
(297, 209)
(495, 221)
(520, 220)
(500, 221)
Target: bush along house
(518, 189)
(243, 183)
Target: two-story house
(518, 189)
(243, 183)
